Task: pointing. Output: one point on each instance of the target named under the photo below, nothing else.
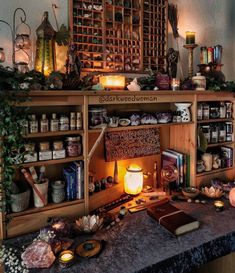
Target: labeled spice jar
(222, 132)
(44, 124)
(97, 116)
(72, 121)
(30, 154)
(33, 124)
(79, 121)
(45, 153)
(44, 146)
(222, 109)
(58, 150)
(228, 109)
(74, 146)
(214, 133)
(64, 123)
(206, 132)
(206, 111)
(229, 131)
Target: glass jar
(214, 133)
(206, 111)
(58, 150)
(97, 116)
(58, 145)
(229, 131)
(44, 146)
(206, 132)
(200, 111)
(64, 123)
(200, 166)
(74, 146)
(222, 109)
(228, 109)
(222, 132)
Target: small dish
(190, 192)
(212, 192)
(124, 122)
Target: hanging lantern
(2, 55)
(45, 47)
(133, 180)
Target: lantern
(2, 55)
(112, 81)
(45, 47)
(133, 180)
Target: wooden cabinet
(120, 35)
(179, 136)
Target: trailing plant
(13, 90)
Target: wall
(34, 10)
(214, 23)
(212, 20)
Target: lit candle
(66, 258)
(219, 205)
(112, 81)
(190, 38)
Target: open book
(174, 220)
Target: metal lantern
(22, 41)
(2, 55)
(45, 47)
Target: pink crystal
(38, 255)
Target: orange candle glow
(133, 180)
(113, 81)
(190, 38)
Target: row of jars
(58, 150)
(221, 109)
(54, 124)
(217, 132)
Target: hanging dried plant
(173, 19)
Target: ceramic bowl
(212, 192)
(190, 192)
(89, 224)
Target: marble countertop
(138, 244)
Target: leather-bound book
(174, 220)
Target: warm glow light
(111, 81)
(133, 180)
(190, 38)
(66, 256)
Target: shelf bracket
(104, 126)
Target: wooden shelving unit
(179, 136)
(120, 35)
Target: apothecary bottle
(64, 123)
(206, 132)
(222, 109)
(228, 109)
(44, 124)
(79, 121)
(200, 111)
(33, 124)
(222, 132)
(72, 121)
(54, 124)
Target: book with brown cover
(174, 220)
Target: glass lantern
(45, 47)
(22, 41)
(133, 180)
(2, 55)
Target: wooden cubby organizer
(120, 35)
(179, 136)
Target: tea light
(219, 205)
(66, 258)
(190, 38)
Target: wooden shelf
(220, 144)
(58, 133)
(51, 162)
(214, 171)
(48, 207)
(124, 128)
(214, 120)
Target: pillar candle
(190, 38)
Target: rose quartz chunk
(38, 255)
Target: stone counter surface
(139, 244)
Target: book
(171, 218)
(77, 166)
(170, 159)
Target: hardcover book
(174, 220)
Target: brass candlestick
(190, 48)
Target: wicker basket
(20, 201)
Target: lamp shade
(133, 180)
(112, 81)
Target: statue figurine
(172, 60)
(73, 63)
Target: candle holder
(190, 48)
(219, 206)
(66, 258)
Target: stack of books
(74, 178)
(181, 162)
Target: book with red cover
(174, 220)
